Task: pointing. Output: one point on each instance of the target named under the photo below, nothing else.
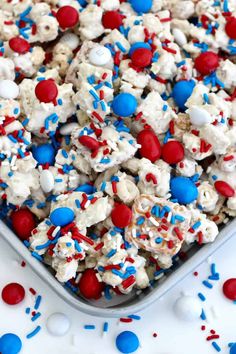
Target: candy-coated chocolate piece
(150, 145)
(172, 152)
(23, 222)
(67, 16)
(121, 215)
(13, 293)
(89, 285)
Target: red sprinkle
(33, 292)
(195, 274)
(126, 320)
(150, 177)
(214, 336)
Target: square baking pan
(125, 304)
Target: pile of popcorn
(117, 133)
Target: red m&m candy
(46, 91)
(230, 27)
(224, 189)
(67, 16)
(13, 293)
(112, 19)
(89, 142)
(229, 289)
(121, 215)
(172, 152)
(150, 145)
(141, 57)
(23, 223)
(19, 45)
(89, 285)
(206, 63)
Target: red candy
(112, 19)
(13, 293)
(224, 189)
(89, 142)
(230, 27)
(46, 91)
(141, 57)
(229, 289)
(121, 215)
(19, 45)
(23, 223)
(172, 152)
(67, 17)
(150, 145)
(206, 63)
(89, 285)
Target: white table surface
(174, 336)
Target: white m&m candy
(8, 89)
(71, 40)
(99, 55)
(199, 116)
(58, 324)
(188, 308)
(46, 181)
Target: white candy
(58, 324)
(71, 40)
(8, 89)
(46, 181)
(187, 308)
(199, 116)
(99, 55)
(68, 128)
(179, 36)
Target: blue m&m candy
(233, 349)
(181, 92)
(62, 216)
(44, 153)
(141, 5)
(124, 104)
(183, 189)
(127, 342)
(10, 344)
(138, 45)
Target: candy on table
(13, 293)
(117, 134)
(127, 342)
(188, 308)
(10, 344)
(58, 324)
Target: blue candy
(182, 90)
(62, 216)
(141, 5)
(233, 349)
(138, 45)
(44, 154)
(86, 188)
(127, 342)
(10, 344)
(124, 105)
(183, 189)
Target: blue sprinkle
(201, 297)
(214, 177)
(103, 186)
(89, 326)
(34, 332)
(165, 107)
(183, 62)
(105, 160)
(203, 315)
(120, 46)
(107, 293)
(36, 255)
(59, 102)
(105, 327)
(216, 346)
(117, 272)
(158, 240)
(135, 317)
(140, 220)
(213, 269)
(35, 317)
(216, 277)
(27, 310)
(77, 203)
(64, 153)
(207, 284)
(111, 253)
(196, 225)
(37, 302)
(94, 94)
(206, 98)
(45, 245)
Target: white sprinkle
(55, 231)
(134, 233)
(153, 221)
